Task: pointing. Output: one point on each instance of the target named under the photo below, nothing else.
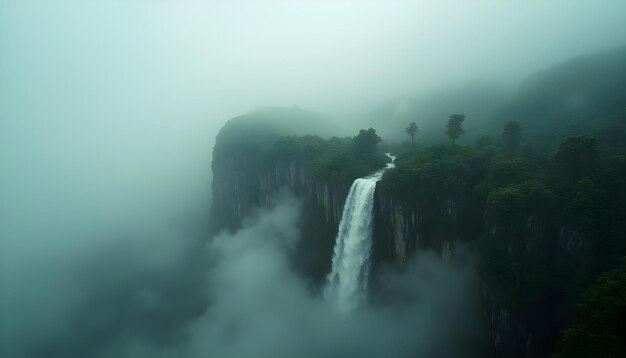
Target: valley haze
(109, 113)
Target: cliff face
(400, 230)
(250, 171)
(404, 228)
(440, 224)
(237, 158)
(240, 188)
(297, 177)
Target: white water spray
(348, 279)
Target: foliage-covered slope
(246, 134)
(542, 229)
(479, 102)
(586, 95)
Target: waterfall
(348, 278)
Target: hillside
(479, 102)
(585, 95)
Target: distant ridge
(585, 95)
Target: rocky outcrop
(402, 228)
(571, 239)
(239, 189)
(297, 177)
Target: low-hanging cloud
(240, 297)
(259, 307)
(124, 289)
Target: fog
(108, 114)
(258, 306)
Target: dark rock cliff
(246, 179)
(403, 228)
(400, 230)
(239, 190)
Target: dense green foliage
(600, 330)
(365, 143)
(542, 227)
(431, 171)
(335, 159)
(577, 158)
(455, 126)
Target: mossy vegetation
(330, 160)
(542, 227)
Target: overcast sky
(102, 101)
(219, 58)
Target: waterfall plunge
(348, 279)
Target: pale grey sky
(107, 105)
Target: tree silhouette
(577, 158)
(366, 141)
(455, 126)
(411, 130)
(599, 330)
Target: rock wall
(403, 228)
(400, 230)
(238, 190)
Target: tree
(455, 126)
(600, 330)
(511, 138)
(577, 158)
(513, 203)
(411, 130)
(366, 141)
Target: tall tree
(577, 158)
(366, 141)
(411, 130)
(455, 126)
(511, 138)
(599, 330)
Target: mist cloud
(108, 113)
(260, 308)
(160, 299)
